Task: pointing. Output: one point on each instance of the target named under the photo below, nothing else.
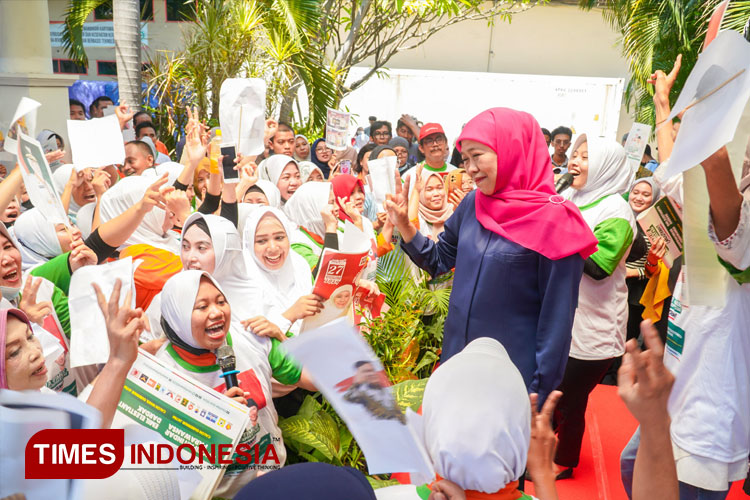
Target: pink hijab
(4, 313)
(524, 207)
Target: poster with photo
(664, 219)
(636, 144)
(350, 376)
(37, 177)
(337, 129)
(336, 283)
(23, 121)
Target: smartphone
(228, 164)
(345, 166)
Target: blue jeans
(687, 491)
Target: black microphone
(226, 361)
(564, 182)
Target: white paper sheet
(711, 123)
(354, 240)
(89, 343)
(383, 175)
(242, 111)
(26, 112)
(97, 142)
(37, 178)
(636, 144)
(360, 396)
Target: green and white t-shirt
(601, 318)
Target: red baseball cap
(429, 129)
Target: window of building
(106, 68)
(104, 11)
(180, 10)
(68, 67)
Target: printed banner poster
(181, 410)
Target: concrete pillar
(26, 66)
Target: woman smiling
(517, 248)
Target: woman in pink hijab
(517, 247)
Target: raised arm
(9, 188)
(725, 197)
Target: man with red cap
(433, 144)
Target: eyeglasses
(429, 141)
(323, 150)
(381, 134)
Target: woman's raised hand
(658, 249)
(81, 255)
(153, 197)
(351, 211)
(307, 305)
(261, 327)
(36, 311)
(663, 82)
(330, 218)
(196, 140)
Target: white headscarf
(306, 169)
(126, 193)
(270, 190)
(307, 158)
(85, 219)
(273, 167)
(304, 206)
(240, 289)
(177, 300)
(37, 238)
(281, 287)
(477, 418)
(608, 172)
(60, 177)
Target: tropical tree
(654, 32)
(371, 32)
(126, 16)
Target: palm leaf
(409, 393)
(72, 35)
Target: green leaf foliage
(408, 394)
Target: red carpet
(609, 426)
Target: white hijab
(240, 289)
(477, 418)
(309, 152)
(274, 166)
(126, 193)
(60, 177)
(608, 173)
(37, 239)
(270, 190)
(304, 206)
(306, 169)
(177, 300)
(281, 287)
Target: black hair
(76, 102)
(143, 125)
(145, 148)
(95, 103)
(139, 113)
(201, 223)
(253, 189)
(283, 127)
(363, 362)
(372, 118)
(546, 132)
(380, 124)
(456, 158)
(362, 152)
(647, 150)
(251, 402)
(561, 130)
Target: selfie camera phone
(346, 166)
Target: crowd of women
(548, 294)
